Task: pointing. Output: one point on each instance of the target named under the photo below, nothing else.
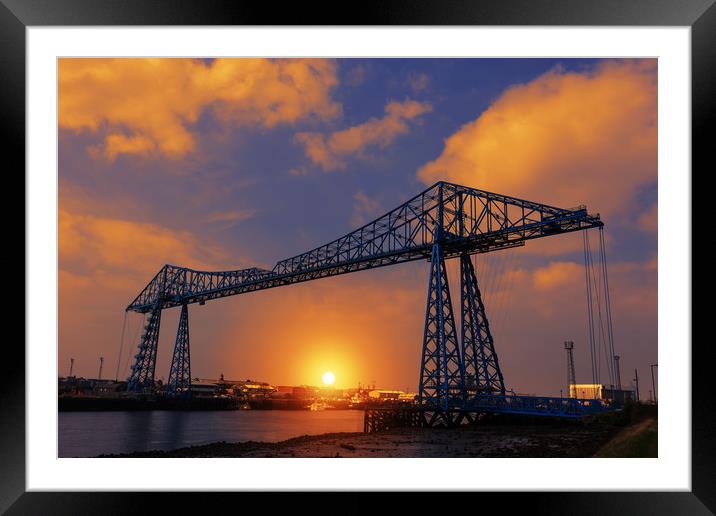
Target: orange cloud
(564, 138)
(144, 106)
(330, 152)
(557, 274)
(113, 252)
(632, 284)
(103, 262)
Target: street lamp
(653, 385)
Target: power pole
(653, 385)
(72, 366)
(636, 380)
(101, 361)
(571, 377)
(619, 376)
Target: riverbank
(632, 432)
(485, 440)
(124, 404)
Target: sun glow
(329, 378)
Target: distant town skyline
(221, 164)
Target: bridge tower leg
(482, 369)
(141, 377)
(442, 389)
(179, 383)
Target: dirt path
(638, 440)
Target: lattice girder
(482, 369)
(179, 383)
(141, 377)
(441, 371)
(466, 220)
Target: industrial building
(204, 389)
(589, 391)
(600, 392)
(389, 395)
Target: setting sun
(329, 378)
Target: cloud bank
(564, 138)
(148, 106)
(330, 152)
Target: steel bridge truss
(461, 219)
(482, 369)
(441, 370)
(444, 221)
(179, 383)
(141, 377)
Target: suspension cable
(492, 276)
(499, 305)
(510, 286)
(493, 308)
(601, 340)
(606, 335)
(610, 329)
(590, 320)
(142, 322)
(121, 347)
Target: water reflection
(175, 429)
(88, 434)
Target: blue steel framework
(442, 222)
(179, 383)
(441, 370)
(141, 377)
(482, 369)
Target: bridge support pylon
(442, 389)
(481, 367)
(179, 383)
(141, 377)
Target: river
(88, 434)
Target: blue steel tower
(179, 383)
(443, 222)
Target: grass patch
(641, 440)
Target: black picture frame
(17, 15)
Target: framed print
(334, 256)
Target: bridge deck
(573, 408)
(539, 406)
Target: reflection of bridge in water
(459, 376)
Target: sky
(220, 164)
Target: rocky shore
(632, 432)
(467, 441)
